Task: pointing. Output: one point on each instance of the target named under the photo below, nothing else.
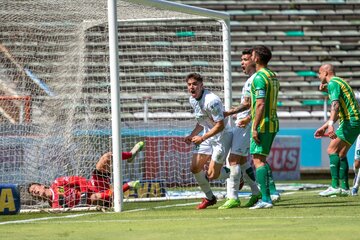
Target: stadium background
(301, 34)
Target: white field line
(45, 218)
(178, 219)
(84, 214)
(138, 210)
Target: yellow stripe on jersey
(270, 105)
(346, 90)
(262, 122)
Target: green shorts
(266, 140)
(348, 132)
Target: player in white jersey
(241, 134)
(214, 143)
(238, 162)
(355, 188)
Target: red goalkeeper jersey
(67, 190)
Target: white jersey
(209, 110)
(357, 96)
(245, 93)
(357, 149)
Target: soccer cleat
(261, 204)
(134, 184)
(135, 150)
(275, 197)
(253, 200)
(344, 192)
(354, 191)
(230, 203)
(330, 192)
(207, 202)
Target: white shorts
(357, 149)
(218, 149)
(241, 140)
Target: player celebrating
(265, 125)
(215, 141)
(344, 107)
(239, 166)
(70, 191)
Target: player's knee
(213, 174)
(195, 169)
(331, 150)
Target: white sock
(224, 174)
(254, 187)
(357, 179)
(204, 184)
(233, 182)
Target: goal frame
(222, 17)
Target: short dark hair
(33, 183)
(195, 76)
(247, 51)
(263, 52)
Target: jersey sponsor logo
(260, 93)
(215, 108)
(60, 190)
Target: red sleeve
(72, 181)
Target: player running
(214, 143)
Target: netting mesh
(55, 107)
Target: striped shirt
(341, 91)
(266, 85)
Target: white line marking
(183, 219)
(45, 218)
(84, 214)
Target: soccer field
(299, 215)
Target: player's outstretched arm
(242, 107)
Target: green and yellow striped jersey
(266, 85)
(341, 91)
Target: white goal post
(82, 79)
(224, 18)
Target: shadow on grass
(322, 203)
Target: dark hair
(33, 183)
(195, 76)
(247, 51)
(263, 53)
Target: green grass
(301, 215)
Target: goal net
(55, 101)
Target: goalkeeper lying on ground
(69, 191)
